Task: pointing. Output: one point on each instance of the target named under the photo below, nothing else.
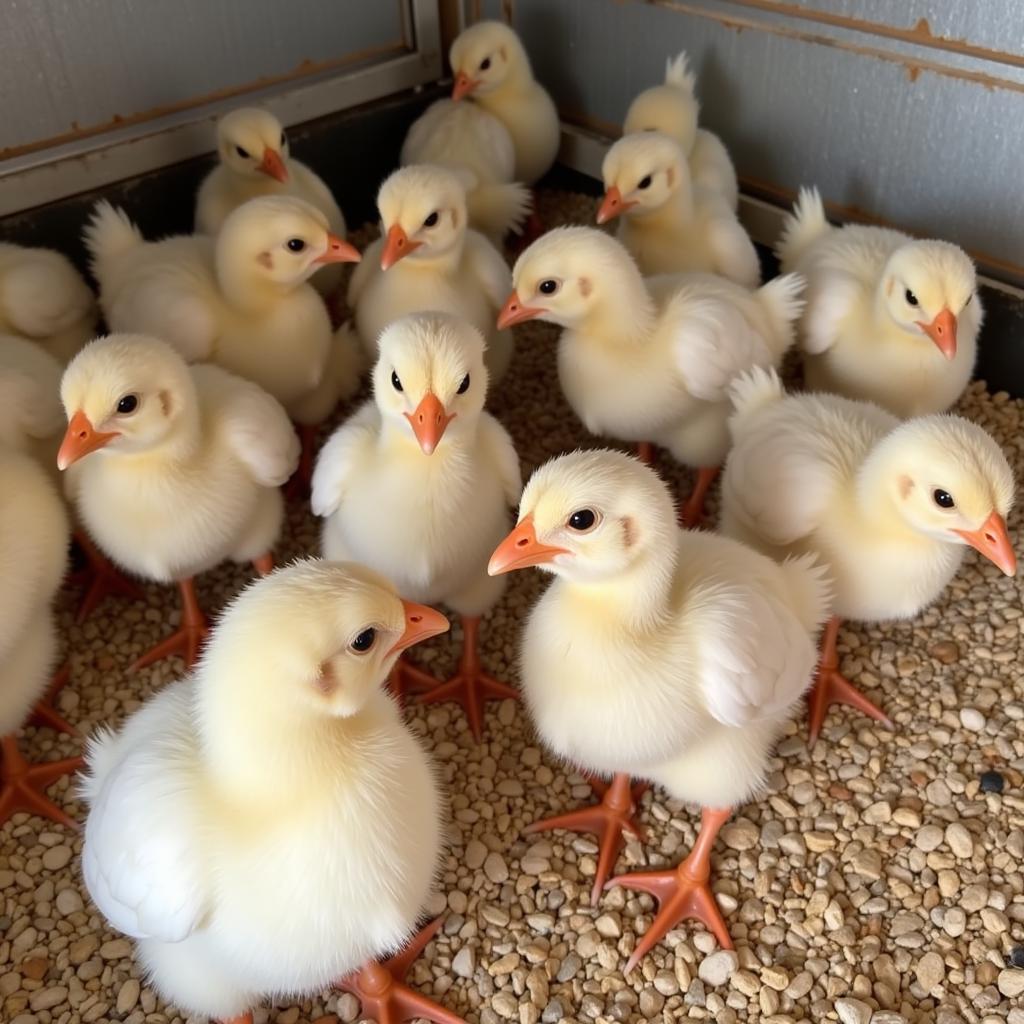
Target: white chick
(889, 507)
(650, 360)
(672, 108)
(476, 146)
(185, 472)
(428, 259)
(491, 65)
(252, 148)
(43, 298)
(669, 224)
(242, 301)
(665, 654)
(889, 319)
(34, 536)
(268, 824)
(418, 484)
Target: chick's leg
(682, 892)
(244, 1018)
(100, 578)
(189, 636)
(645, 452)
(692, 513)
(385, 997)
(44, 714)
(471, 686)
(832, 687)
(607, 820)
(23, 785)
(301, 480)
(406, 679)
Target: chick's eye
(431, 221)
(243, 153)
(582, 520)
(547, 287)
(395, 382)
(910, 297)
(464, 386)
(485, 64)
(943, 498)
(295, 244)
(127, 405)
(364, 641)
(644, 182)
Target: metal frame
(53, 173)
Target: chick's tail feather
(108, 236)
(810, 589)
(496, 209)
(750, 393)
(781, 300)
(678, 73)
(802, 228)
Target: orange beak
(429, 422)
(521, 549)
(612, 205)
(80, 439)
(397, 246)
(338, 251)
(514, 312)
(464, 85)
(992, 540)
(421, 623)
(942, 330)
(273, 165)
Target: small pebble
(972, 719)
(991, 782)
(718, 968)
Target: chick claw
(101, 580)
(406, 679)
(23, 785)
(45, 715)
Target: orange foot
(682, 892)
(298, 486)
(189, 636)
(381, 988)
(691, 515)
(45, 715)
(607, 820)
(406, 679)
(101, 580)
(645, 452)
(23, 785)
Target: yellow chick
(429, 259)
(672, 108)
(889, 319)
(669, 224)
(268, 824)
(43, 298)
(34, 536)
(252, 147)
(669, 655)
(889, 507)
(650, 360)
(424, 443)
(184, 468)
(490, 64)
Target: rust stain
(913, 71)
(304, 69)
(508, 11)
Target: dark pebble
(992, 782)
(1015, 958)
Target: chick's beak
(429, 422)
(80, 439)
(421, 623)
(942, 330)
(612, 205)
(397, 246)
(514, 312)
(464, 85)
(273, 165)
(521, 549)
(338, 251)
(992, 540)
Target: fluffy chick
(31, 416)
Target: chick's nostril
(990, 537)
(415, 619)
(82, 435)
(522, 542)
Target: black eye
(485, 64)
(910, 297)
(644, 182)
(395, 382)
(548, 287)
(243, 153)
(295, 244)
(943, 498)
(364, 641)
(464, 386)
(431, 220)
(128, 404)
(582, 520)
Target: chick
(418, 484)
(252, 148)
(671, 655)
(186, 470)
(34, 536)
(889, 319)
(43, 298)
(671, 225)
(672, 108)
(650, 360)
(268, 824)
(889, 507)
(426, 259)
(490, 64)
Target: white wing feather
(497, 443)
(831, 296)
(43, 295)
(735, 254)
(338, 459)
(489, 268)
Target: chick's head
(251, 142)
(124, 393)
(926, 287)
(589, 517)
(641, 172)
(422, 211)
(484, 57)
(431, 375)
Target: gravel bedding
(878, 881)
